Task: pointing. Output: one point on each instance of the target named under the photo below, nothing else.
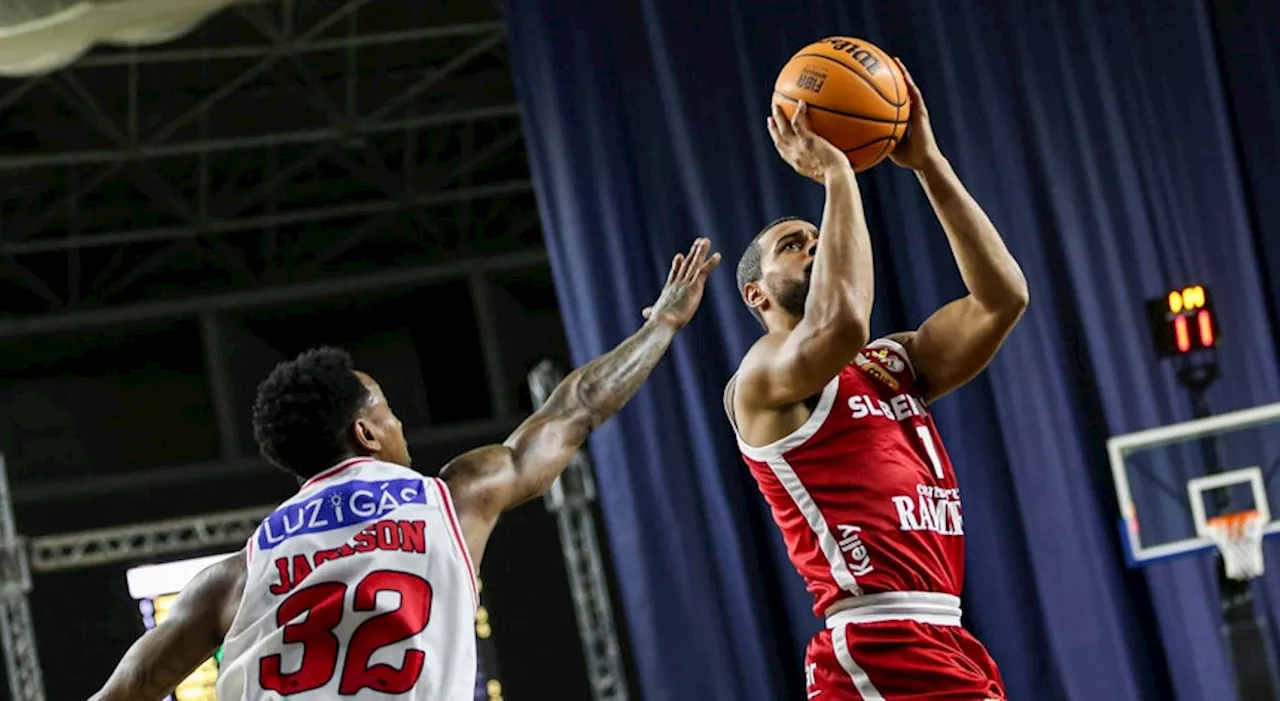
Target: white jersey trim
(447, 499)
(858, 675)
(797, 437)
(336, 469)
(929, 607)
(790, 481)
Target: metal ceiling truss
(139, 173)
(227, 529)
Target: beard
(792, 295)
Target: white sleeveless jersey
(359, 587)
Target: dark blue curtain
(1099, 137)
(1249, 41)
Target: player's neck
(781, 322)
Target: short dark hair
(749, 267)
(303, 410)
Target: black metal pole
(1243, 627)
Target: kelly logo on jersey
(345, 504)
(933, 509)
(855, 551)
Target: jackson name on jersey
(864, 492)
(360, 586)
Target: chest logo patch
(876, 371)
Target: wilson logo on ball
(856, 52)
(857, 96)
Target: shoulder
(470, 476)
(753, 369)
(213, 595)
(758, 357)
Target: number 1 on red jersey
(931, 448)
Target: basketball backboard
(1172, 480)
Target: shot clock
(1183, 321)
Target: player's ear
(364, 435)
(754, 296)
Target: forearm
(543, 445)
(599, 389)
(146, 673)
(843, 277)
(989, 271)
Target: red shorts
(900, 660)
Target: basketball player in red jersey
(838, 434)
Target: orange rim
(1233, 524)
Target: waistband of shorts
(919, 606)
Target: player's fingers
(694, 260)
(913, 90)
(773, 130)
(781, 122)
(675, 268)
(905, 73)
(800, 120)
(710, 265)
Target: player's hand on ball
(811, 155)
(918, 146)
(685, 284)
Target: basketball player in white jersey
(362, 585)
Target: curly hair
(304, 408)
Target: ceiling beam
(168, 309)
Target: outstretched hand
(809, 154)
(918, 145)
(685, 284)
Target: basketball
(856, 93)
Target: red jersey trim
(447, 499)
(334, 471)
(797, 437)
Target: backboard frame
(1119, 446)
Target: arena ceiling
(278, 153)
(277, 143)
(183, 203)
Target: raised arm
(785, 368)
(958, 341)
(490, 480)
(194, 628)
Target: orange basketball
(856, 93)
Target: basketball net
(1239, 539)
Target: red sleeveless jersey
(864, 492)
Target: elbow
(1018, 299)
(1008, 301)
(1023, 301)
(849, 320)
(840, 307)
(572, 406)
(850, 328)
